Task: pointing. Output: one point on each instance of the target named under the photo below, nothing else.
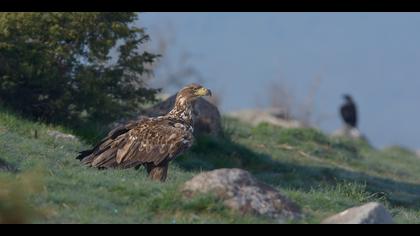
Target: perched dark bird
(349, 112)
(151, 142)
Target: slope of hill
(323, 175)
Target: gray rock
(272, 116)
(240, 191)
(59, 135)
(370, 213)
(206, 116)
(349, 132)
(418, 153)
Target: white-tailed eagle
(151, 142)
(349, 112)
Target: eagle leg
(157, 172)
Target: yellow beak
(203, 92)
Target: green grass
(321, 174)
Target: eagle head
(347, 97)
(191, 92)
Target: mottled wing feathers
(150, 141)
(155, 142)
(113, 134)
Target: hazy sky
(373, 56)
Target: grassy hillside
(321, 174)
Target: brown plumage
(152, 142)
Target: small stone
(370, 213)
(4, 166)
(59, 135)
(271, 116)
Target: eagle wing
(85, 156)
(151, 141)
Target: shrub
(73, 66)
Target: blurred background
(67, 78)
(301, 61)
